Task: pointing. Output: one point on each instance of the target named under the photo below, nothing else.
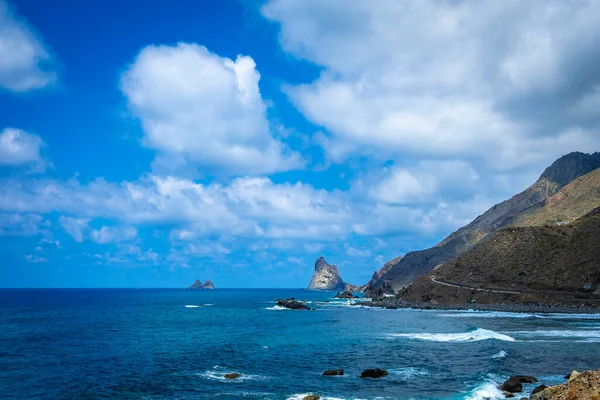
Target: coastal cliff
(326, 277)
(555, 263)
(535, 205)
(198, 285)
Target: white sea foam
(500, 354)
(277, 308)
(487, 314)
(300, 396)
(407, 372)
(473, 336)
(487, 390)
(218, 374)
(191, 306)
(586, 334)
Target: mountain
(532, 200)
(540, 263)
(198, 285)
(326, 277)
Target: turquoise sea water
(178, 344)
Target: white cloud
(79, 229)
(18, 147)
(28, 224)
(76, 227)
(32, 258)
(431, 79)
(25, 63)
(197, 108)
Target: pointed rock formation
(326, 277)
(198, 285)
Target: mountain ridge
(559, 174)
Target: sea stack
(326, 277)
(198, 285)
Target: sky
(239, 140)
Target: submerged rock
(373, 373)
(292, 304)
(326, 277)
(233, 375)
(333, 372)
(525, 378)
(311, 397)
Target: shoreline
(516, 308)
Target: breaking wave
(472, 336)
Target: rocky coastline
(543, 308)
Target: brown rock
(232, 375)
(333, 372)
(512, 386)
(373, 373)
(311, 397)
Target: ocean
(178, 344)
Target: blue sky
(238, 140)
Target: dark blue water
(146, 344)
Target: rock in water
(326, 277)
(292, 304)
(373, 373)
(199, 285)
(333, 372)
(512, 386)
(345, 295)
(311, 397)
(208, 285)
(232, 375)
(538, 389)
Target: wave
(488, 314)
(487, 390)
(407, 372)
(472, 336)
(500, 354)
(218, 374)
(277, 308)
(191, 306)
(300, 396)
(586, 334)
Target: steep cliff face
(326, 277)
(560, 173)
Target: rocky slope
(558, 175)
(551, 263)
(326, 277)
(198, 285)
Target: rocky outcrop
(374, 373)
(345, 295)
(292, 304)
(378, 293)
(232, 375)
(326, 277)
(208, 285)
(584, 386)
(563, 171)
(333, 372)
(198, 285)
(354, 288)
